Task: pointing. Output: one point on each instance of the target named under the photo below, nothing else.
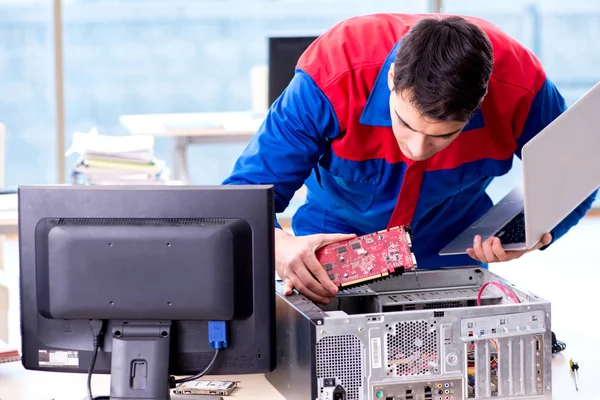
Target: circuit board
(369, 257)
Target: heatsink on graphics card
(369, 257)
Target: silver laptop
(561, 168)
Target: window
(561, 34)
(144, 56)
(27, 91)
(133, 57)
(137, 57)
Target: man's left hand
(490, 250)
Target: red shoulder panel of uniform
(345, 61)
(352, 44)
(514, 64)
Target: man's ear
(391, 77)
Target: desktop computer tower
(447, 334)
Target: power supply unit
(449, 334)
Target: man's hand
(491, 249)
(297, 264)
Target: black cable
(96, 326)
(557, 345)
(90, 372)
(201, 374)
(217, 339)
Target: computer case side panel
(294, 375)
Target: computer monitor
(179, 278)
(284, 52)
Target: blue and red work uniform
(331, 129)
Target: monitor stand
(140, 361)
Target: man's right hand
(295, 260)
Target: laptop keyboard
(513, 231)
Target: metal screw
(548, 387)
(319, 322)
(548, 315)
(323, 332)
(361, 329)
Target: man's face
(419, 137)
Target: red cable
(506, 291)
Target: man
(398, 119)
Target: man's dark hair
(445, 66)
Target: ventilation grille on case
(411, 347)
(141, 221)
(341, 357)
(443, 304)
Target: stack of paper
(8, 353)
(110, 160)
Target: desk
(18, 384)
(9, 218)
(9, 223)
(194, 128)
(566, 274)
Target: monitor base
(140, 361)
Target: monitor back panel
(53, 344)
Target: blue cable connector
(217, 334)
